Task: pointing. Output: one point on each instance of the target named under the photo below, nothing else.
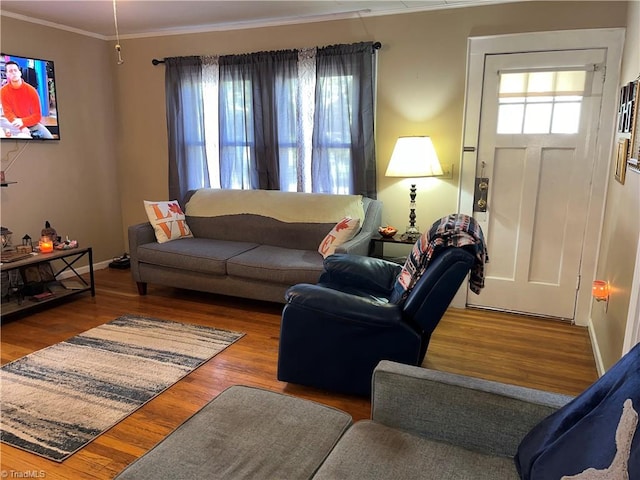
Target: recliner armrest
(363, 273)
(331, 302)
(477, 414)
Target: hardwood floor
(531, 352)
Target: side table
(378, 243)
(63, 260)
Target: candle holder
(46, 244)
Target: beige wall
(72, 183)
(420, 87)
(91, 184)
(621, 231)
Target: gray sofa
(248, 243)
(424, 424)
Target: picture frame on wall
(633, 154)
(621, 159)
(626, 107)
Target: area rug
(58, 399)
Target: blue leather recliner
(334, 333)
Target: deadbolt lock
(480, 194)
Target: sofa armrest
(358, 245)
(361, 243)
(139, 235)
(477, 414)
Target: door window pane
(565, 117)
(510, 118)
(537, 118)
(540, 102)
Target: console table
(61, 261)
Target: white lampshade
(414, 157)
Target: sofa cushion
(278, 265)
(342, 232)
(374, 451)
(194, 254)
(168, 220)
(245, 433)
(590, 431)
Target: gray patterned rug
(58, 399)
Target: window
(335, 138)
(540, 102)
(289, 120)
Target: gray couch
(424, 425)
(248, 252)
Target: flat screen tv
(29, 109)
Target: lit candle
(46, 245)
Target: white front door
(536, 148)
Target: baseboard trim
(83, 270)
(596, 349)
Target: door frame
(611, 39)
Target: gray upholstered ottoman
(246, 433)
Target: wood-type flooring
(532, 352)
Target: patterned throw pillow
(344, 231)
(168, 220)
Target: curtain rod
(376, 46)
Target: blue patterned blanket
(455, 230)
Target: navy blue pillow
(582, 434)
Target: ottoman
(243, 433)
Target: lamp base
(412, 233)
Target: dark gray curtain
(259, 123)
(185, 126)
(343, 138)
(257, 110)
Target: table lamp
(413, 157)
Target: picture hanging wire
(12, 161)
(115, 21)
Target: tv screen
(29, 109)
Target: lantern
(27, 245)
